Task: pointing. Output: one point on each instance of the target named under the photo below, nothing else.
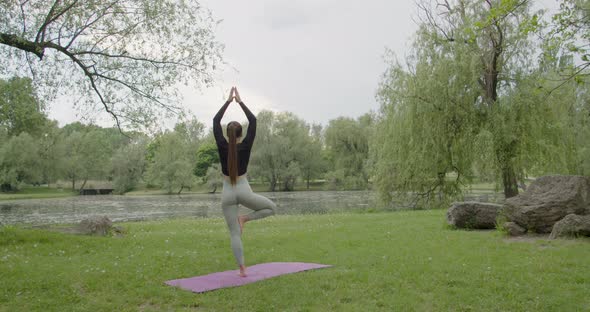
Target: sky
(320, 59)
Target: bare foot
(241, 221)
(243, 271)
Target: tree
(127, 55)
(191, 131)
(460, 91)
(87, 155)
(171, 167)
(207, 155)
(20, 108)
(312, 162)
(128, 166)
(213, 177)
(18, 162)
(347, 143)
(51, 153)
(281, 140)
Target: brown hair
(234, 131)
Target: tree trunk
(181, 188)
(509, 181)
(273, 183)
(73, 183)
(83, 184)
(490, 85)
(214, 189)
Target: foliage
(213, 177)
(87, 155)
(207, 155)
(127, 56)
(570, 33)
(280, 148)
(51, 153)
(20, 108)
(347, 145)
(128, 166)
(466, 104)
(18, 162)
(171, 167)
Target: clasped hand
(234, 95)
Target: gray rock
(473, 215)
(547, 200)
(513, 229)
(571, 225)
(95, 225)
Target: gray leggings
(241, 193)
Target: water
(132, 208)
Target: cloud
(281, 15)
(287, 15)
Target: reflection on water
(126, 208)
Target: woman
(234, 159)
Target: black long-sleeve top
(243, 147)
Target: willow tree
(454, 104)
(129, 56)
(347, 147)
(281, 149)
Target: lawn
(398, 261)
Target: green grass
(400, 261)
(30, 192)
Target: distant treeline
(34, 150)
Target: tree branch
(49, 19)
(22, 44)
(577, 72)
(90, 76)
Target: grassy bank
(64, 190)
(203, 189)
(402, 261)
(32, 192)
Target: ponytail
(234, 130)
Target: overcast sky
(319, 59)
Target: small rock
(514, 229)
(95, 225)
(571, 225)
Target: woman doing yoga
(234, 157)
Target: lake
(133, 208)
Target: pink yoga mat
(255, 273)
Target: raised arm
(251, 134)
(217, 131)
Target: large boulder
(95, 225)
(571, 225)
(473, 215)
(547, 200)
